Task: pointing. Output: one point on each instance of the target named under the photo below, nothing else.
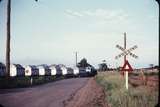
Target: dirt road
(91, 95)
(64, 93)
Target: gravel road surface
(48, 95)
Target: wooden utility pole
(76, 59)
(8, 38)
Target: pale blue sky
(50, 31)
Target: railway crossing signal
(126, 67)
(124, 53)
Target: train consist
(45, 70)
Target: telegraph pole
(76, 59)
(8, 39)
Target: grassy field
(118, 96)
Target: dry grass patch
(118, 96)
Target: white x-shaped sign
(126, 52)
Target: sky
(52, 31)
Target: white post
(31, 80)
(126, 79)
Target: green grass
(118, 96)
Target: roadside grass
(21, 82)
(118, 96)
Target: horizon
(54, 30)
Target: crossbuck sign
(126, 52)
(126, 67)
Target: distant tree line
(83, 63)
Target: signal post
(126, 66)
